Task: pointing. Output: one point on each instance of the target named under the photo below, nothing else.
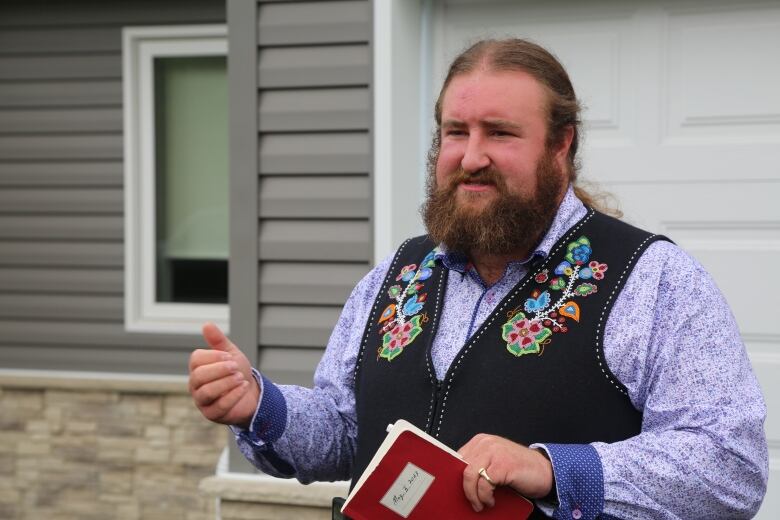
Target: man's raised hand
(221, 381)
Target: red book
(415, 476)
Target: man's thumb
(216, 339)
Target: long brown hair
(563, 110)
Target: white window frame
(140, 46)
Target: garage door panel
(732, 91)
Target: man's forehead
(496, 93)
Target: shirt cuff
(579, 481)
(270, 418)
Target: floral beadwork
(401, 335)
(402, 319)
(552, 303)
(524, 336)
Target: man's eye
(454, 133)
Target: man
(587, 364)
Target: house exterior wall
(135, 451)
(92, 448)
(61, 198)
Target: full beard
(513, 223)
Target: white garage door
(683, 125)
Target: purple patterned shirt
(670, 338)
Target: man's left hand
(507, 464)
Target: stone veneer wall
(98, 447)
(256, 497)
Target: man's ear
(561, 148)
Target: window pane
(191, 149)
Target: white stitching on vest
(599, 345)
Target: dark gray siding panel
(315, 197)
(63, 67)
(97, 174)
(308, 283)
(314, 164)
(294, 366)
(61, 254)
(61, 199)
(310, 153)
(309, 110)
(311, 240)
(62, 228)
(36, 120)
(314, 23)
(309, 66)
(282, 326)
(137, 358)
(111, 336)
(61, 281)
(90, 93)
(31, 40)
(61, 307)
(30, 13)
(61, 147)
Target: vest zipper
(435, 410)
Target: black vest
(534, 370)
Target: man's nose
(475, 157)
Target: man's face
(497, 185)
(493, 120)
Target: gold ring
(483, 473)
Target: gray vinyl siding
(61, 198)
(314, 202)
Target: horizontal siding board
(288, 366)
(51, 147)
(66, 254)
(54, 120)
(89, 333)
(53, 281)
(95, 174)
(314, 197)
(314, 109)
(60, 67)
(118, 12)
(60, 40)
(298, 326)
(95, 358)
(61, 200)
(314, 23)
(308, 283)
(311, 153)
(61, 307)
(297, 67)
(315, 240)
(61, 227)
(61, 93)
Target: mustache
(487, 175)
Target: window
(176, 177)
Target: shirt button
(576, 514)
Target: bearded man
(589, 365)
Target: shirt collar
(570, 211)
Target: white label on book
(407, 490)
